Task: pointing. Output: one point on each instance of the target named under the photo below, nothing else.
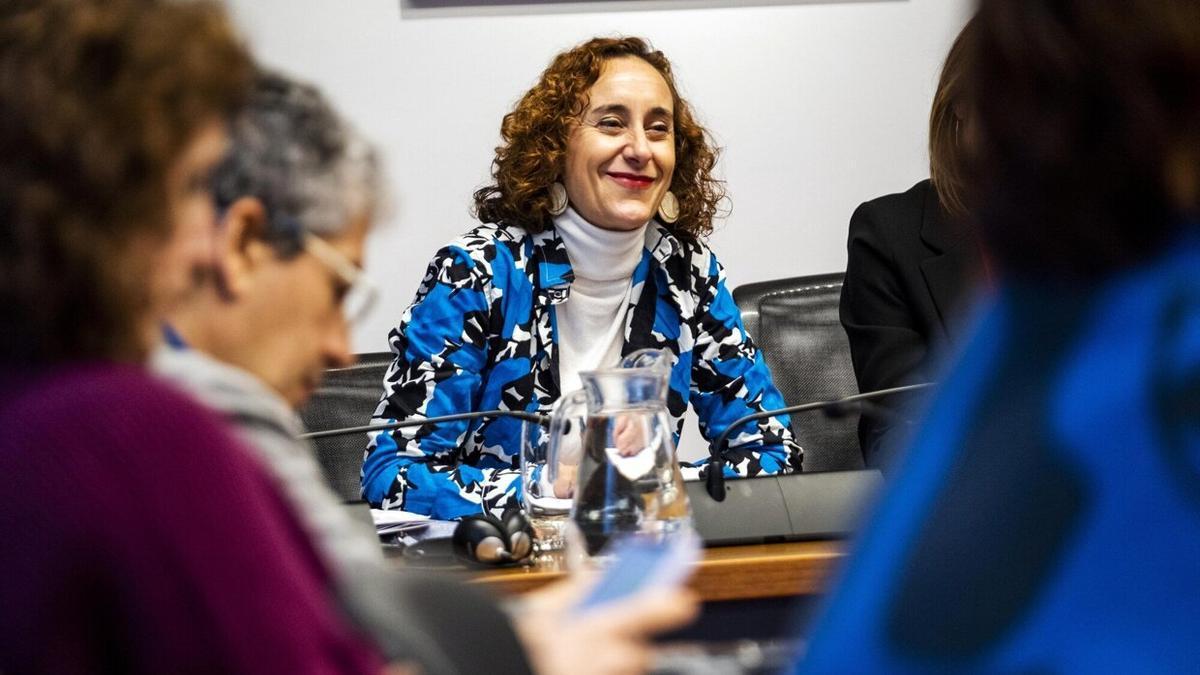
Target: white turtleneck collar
(597, 254)
(591, 323)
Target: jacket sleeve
(730, 379)
(441, 352)
(886, 346)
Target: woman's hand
(613, 639)
(630, 435)
(564, 484)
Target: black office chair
(347, 398)
(795, 324)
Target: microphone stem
(723, 439)
(715, 472)
(368, 428)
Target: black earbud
(520, 533)
(487, 540)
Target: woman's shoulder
(892, 221)
(695, 252)
(108, 407)
(122, 441)
(485, 240)
(88, 388)
(481, 256)
(474, 253)
(899, 207)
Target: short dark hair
(1083, 106)
(99, 98)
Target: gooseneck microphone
(715, 471)
(480, 539)
(456, 417)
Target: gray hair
(311, 170)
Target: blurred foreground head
(297, 191)
(1089, 121)
(114, 113)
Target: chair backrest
(347, 398)
(795, 324)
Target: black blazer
(909, 272)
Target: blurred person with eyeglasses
(297, 193)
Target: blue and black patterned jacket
(480, 335)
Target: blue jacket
(1047, 516)
(480, 335)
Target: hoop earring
(668, 208)
(558, 199)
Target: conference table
(756, 597)
(748, 572)
(760, 592)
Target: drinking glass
(547, 484)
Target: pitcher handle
(647, 357)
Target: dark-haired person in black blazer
(913, 263)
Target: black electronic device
(487, 540)
(791, 507)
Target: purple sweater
(138, 537)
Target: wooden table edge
(726, 573)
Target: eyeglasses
(361, 294)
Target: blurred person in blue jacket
(1047, 515)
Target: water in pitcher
(628, 480)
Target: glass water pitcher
(620, 471)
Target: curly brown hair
(535, 134)
(100, 99)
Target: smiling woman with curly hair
(591, 248)
(536, 135)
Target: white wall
(820, 105)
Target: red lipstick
(632, 181)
